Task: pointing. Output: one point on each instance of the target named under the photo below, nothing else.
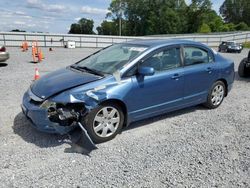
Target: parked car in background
(230, 46)
(4, 55)
(244, 67)
(128, 82)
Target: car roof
(160, 42)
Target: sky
(55, 16)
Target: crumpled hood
(61, 80)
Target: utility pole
(120, 18)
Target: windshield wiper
(86, 69)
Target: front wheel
(216, 95)
(104, 122)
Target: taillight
(2, 49)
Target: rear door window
(194, 55)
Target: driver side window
(161, 61)
(164, 60)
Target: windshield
(113, 58)
(231, 43)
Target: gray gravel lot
(194, 147)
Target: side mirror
(146, 71)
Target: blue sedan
(128, 82)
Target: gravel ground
(194, 147)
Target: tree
(147, 17)
(150, 17)
(17, 30)
(107, 28)
(84, 26)
(75, 29)
(242, 26)
(214, 21)
(236, 11)
(204, 28)
(197, 14)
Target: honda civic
(127, 82)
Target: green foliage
(214, 21)
(146, 17)
(198, 13)
(242, 26)
(84, 26)
(204, 28)
(231, 26)
(236, 11)
(246, 44)
(152, 17)
(107, 28)
(17, 30)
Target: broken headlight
(47, 104)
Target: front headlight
(47, 104)
(229, 46)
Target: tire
(219, 50)
(242, 68)
(97, 123)
(216, 95)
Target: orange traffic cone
(23, 47)
(37, 76)
(40, 56)
(26, 46)
(33, 52)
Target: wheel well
(226, 85)
(121, 104)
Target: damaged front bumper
(62, 112)
(39, 117)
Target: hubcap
(106, 121)
(217, 95)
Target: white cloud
(37, 4)
(92, 10)
(33, 3)
(31, 25)
(20, 13)
(77, 19)
(55, 8)
(19, 23)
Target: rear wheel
(243, 71)
(216, 95)
(104, 122)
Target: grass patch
(246, 44)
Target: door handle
(209, 70)
(176, 76)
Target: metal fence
(99, 41)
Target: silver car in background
(4, 55)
